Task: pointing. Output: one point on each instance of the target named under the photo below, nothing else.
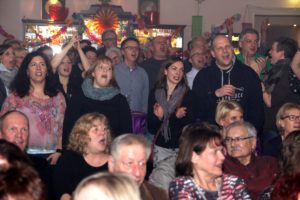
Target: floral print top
(231, 188)
(45, 120)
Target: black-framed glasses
(110, 39)
(132, 48)
(291, 117)
(236, 139)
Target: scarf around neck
(100, 94)
(274, 75)
(169, 106)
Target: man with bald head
(14, 127)
(228, 79)
(159, 49)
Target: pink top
(45, 120)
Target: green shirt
(241, 59)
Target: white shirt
(191, 75)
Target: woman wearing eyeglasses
(287, 121)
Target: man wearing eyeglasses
(257, 171)
(198, 60)
(131, 78)
(109, 40)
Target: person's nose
(136, 170)
(222, 156)
(18, 133)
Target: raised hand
(261, 64)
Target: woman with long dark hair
(171, 107)
(35, 93)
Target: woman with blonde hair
(116, 186)
(87, 153)
(228, 112)
(287, 121)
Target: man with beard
(159, 49)
(228, 79)
(258, 172)
(131, 78)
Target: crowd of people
(119, 123)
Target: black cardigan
(176, 125)
(116, 110)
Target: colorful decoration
(5, 34)
(52, 39)
(105, 19)
(232, 19)
(58, 13)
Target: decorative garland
(231, 20)
(5, 34)
(49, 39)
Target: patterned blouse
(45, 120)
(232, 188)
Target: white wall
(171, 11)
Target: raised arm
(84, 61)
(59, 57)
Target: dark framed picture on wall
(148, 6)
(51, 6)
(150, 10)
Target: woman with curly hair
(86, 154)
(34, 92)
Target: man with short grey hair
(109, 40)
(257, 171)
(249, 40)
(129, 154)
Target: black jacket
(248, 92)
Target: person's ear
(165, 72)
(195, 157)
(240, 44)
(280, 124)
(213, 53)
(222, 122)
(253, 143)
(111, 164)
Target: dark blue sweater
(248, 92)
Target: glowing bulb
(53, 1)
(294, 25)
(269, 24)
